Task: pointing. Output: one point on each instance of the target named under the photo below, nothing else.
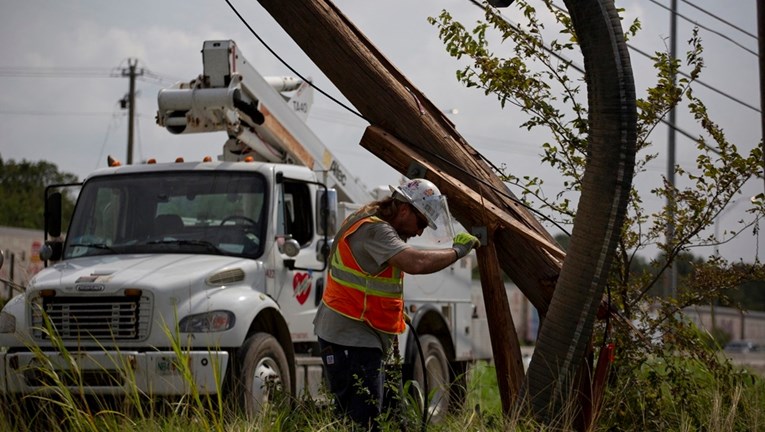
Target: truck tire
(437, 366)
(264, 370)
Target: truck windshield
(213, 212)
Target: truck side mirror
(326, 212)
(288, 246)
(53, 214)
(51, 250)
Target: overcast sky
(61, 62)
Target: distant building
(21, 250)
(737, 324)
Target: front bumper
(158, 373)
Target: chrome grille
(86, 318)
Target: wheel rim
(436, 381)
(265, 378)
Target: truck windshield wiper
(204, 243)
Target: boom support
(264, 117)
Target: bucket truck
(205, 276)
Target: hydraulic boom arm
(264, 117)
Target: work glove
(464, 243)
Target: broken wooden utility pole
(389, 101)
(504, 340)
(505, 347)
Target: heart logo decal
(301, 285)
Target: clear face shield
(436, 209)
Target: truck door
(302, 285)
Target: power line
(68, 113)
(648, 56)
(53, 113)
(110, 128)
(754, 36)
(328, 115)
(159, 77)
(517, 28)
(76, 72)
(581, 70)
(505, 193)
(257, 36)
(728, 38)
(55, 72)
(703, 84)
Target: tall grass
(669, 393)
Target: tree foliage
(22, 189)
(546, 86)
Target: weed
(669, 389)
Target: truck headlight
(207, 322)
(7, 323)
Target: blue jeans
(356, 378)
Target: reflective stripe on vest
(376, 299)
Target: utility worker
(362, 308)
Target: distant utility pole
(670, 280)
(129, 102)
(761, 46)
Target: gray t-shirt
(373, 244)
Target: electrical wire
(728, 38)
(76, 72)
(110, 128)
(754, 36)
(53, 113)
(703, 84)
(149, 76)
(278, 57)
(504, 193)
(54, 72)
(681, 73)
(67, 72)
(327, 115)
(158, 76)
(662, 120)
(138, 137)
(517, 28)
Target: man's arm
(416, 261)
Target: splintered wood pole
(524, 250)
(504, 339)
(465, 203)
(387, 99)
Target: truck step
(309, 377)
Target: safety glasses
(422, 221)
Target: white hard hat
(424, 196)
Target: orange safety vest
(376, 299)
